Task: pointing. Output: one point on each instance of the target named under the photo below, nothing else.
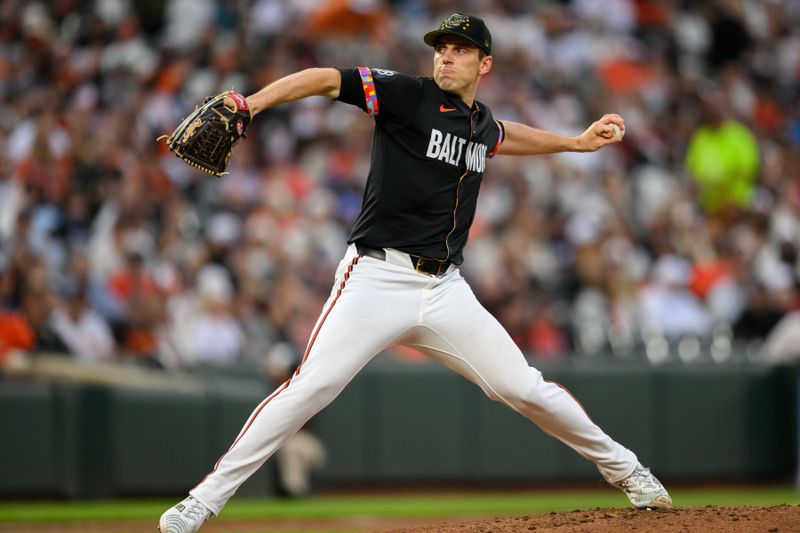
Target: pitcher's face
(457, 65)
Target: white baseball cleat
(185, 517)
(644, 490)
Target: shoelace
(642, 478)
(195, 511)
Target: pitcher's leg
(472, 342)
(350, 331)
(273, 422)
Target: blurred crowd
(686, 234)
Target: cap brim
(431, 36)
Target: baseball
(617, 132)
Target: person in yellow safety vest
(722, 158)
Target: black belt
(435, 267)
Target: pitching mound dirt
(780, 518)
(783, 518)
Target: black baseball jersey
(428, 156)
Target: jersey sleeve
(382, 94)
(501, 135)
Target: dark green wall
(400, 423)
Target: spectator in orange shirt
(15, 334)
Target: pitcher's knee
(320, 392)
(519, 396)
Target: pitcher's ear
(486, 65)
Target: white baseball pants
(375, 304)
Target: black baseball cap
(471, 28)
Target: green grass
(394, 505)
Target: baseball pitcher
(399, 280)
